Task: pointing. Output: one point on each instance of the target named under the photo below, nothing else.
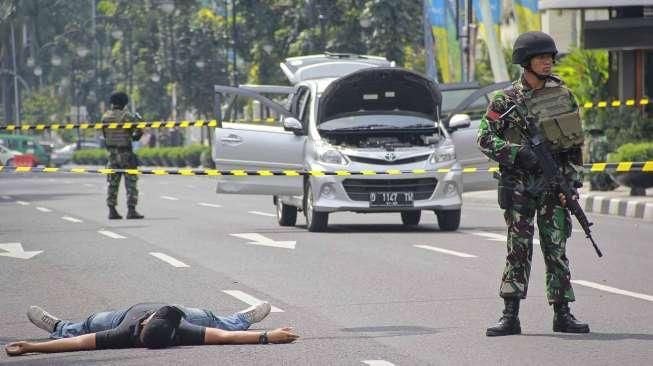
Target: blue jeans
(110, 319)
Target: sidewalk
(616, 203)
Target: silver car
(345, 113)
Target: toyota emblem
(390, 156)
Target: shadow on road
(594, 336)
(35, 197)
(380, 332)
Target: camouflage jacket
(495, 145)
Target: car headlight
(331, 156)
(442, 154)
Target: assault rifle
(554, 177)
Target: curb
(618, 207)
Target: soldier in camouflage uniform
(523, 191)
(121, 156)
(598, 148)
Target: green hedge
(640, 151)
(91, 157)
(183, 156)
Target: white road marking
(71, 219)
(22, 203)
(445, 251)
(15, 250)
(168, 259)
(378, 363)
(209, 204)
(43, 209)
(170, 198)
(249, 299)
(262, 213)
(6, 197)
(89, 185)
(497, 237)
(191, 186)
(111, 234)
(258, 239)
(613, 290)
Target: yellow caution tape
(616, 103)
(624, 166)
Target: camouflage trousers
(554, 224)
(122, 159)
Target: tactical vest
(116, 137)
(557, 117)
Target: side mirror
(458, 121)
(293, 124)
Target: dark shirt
(127, 333)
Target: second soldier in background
(121, 155)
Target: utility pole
(233, 42)
(499, 69)
(16, 94)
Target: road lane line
(22, 203)
(613, 290)
(111, 234)
(262, 213)
(496, 237)
(249, 299)
(378, 363)
(6, 197)
(168, 259)
(71, 219)
(209, 204)
(445, 251)
(89, 185)
(43, 209)
(170, 198)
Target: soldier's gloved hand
(526, 159)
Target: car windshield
(378, 122)
(452, 98)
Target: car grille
(413, 159)
(360, 189)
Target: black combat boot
(113, 214)
(509, 322)
(132, 214)
(565, 322)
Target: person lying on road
(149, 325)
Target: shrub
(641, 151)
(192, 155)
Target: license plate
(391, 199)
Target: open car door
(467, 151)
(252, 137)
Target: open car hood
(380, 90)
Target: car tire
(448, 220)
(10, 162)
(411, 218)
(286, 215)
(315, 221)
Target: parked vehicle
(468, 102)
(64, 155)
(7, 156)
(345, 113)
(26, 145)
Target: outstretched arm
(79, 343)
(219, 336)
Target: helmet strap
(528, 68)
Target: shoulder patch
(492, 115)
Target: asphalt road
(367, 292)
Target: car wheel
(286, 215)
(315, 221)
(10, 162)
(411, 218)
(448, 220)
